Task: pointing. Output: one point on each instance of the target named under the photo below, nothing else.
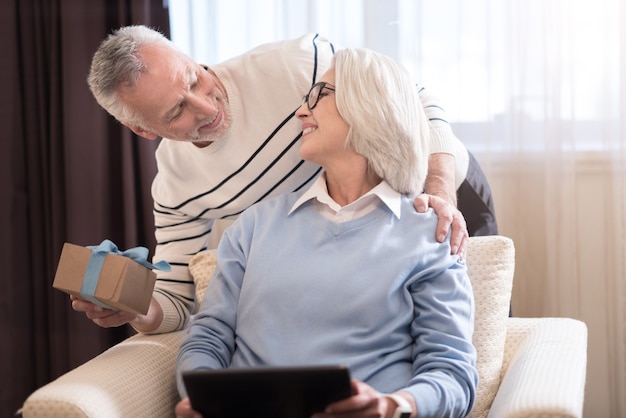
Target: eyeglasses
(315, 94)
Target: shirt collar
(318, 190)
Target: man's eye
(178, 113)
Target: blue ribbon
(98, 254)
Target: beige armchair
(532, 367)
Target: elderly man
(232, 140)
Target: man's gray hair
(380, 103)
(116, 63)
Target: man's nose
(203, 106)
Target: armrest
(135, 378)
(545, 369)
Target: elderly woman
(347, 271)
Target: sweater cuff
(442, 140)
(172, 321)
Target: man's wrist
(151, 321)
(440, 180)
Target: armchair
(532, 367)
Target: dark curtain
(69, 172)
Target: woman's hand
(365, 402)
(183, 410)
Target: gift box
(108, 277)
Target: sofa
(528, 367)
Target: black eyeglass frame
(318, 94)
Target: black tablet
(267, 392)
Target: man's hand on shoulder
(449, 218)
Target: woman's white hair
(377, 99)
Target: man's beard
(221, 131)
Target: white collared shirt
(328, 208)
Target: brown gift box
(123, 283)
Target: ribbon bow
(98, 254)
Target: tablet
(266, 392)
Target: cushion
(490, 264)
(201, 267)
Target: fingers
(366, 401)
(105, 318)
(443, 225)
(183, 410)
(114, 319)
(449, 219)
(447, 215)
(421, 203)
(459, 239)
(80, 305)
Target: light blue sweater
(377, 293)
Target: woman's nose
(302, 111)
